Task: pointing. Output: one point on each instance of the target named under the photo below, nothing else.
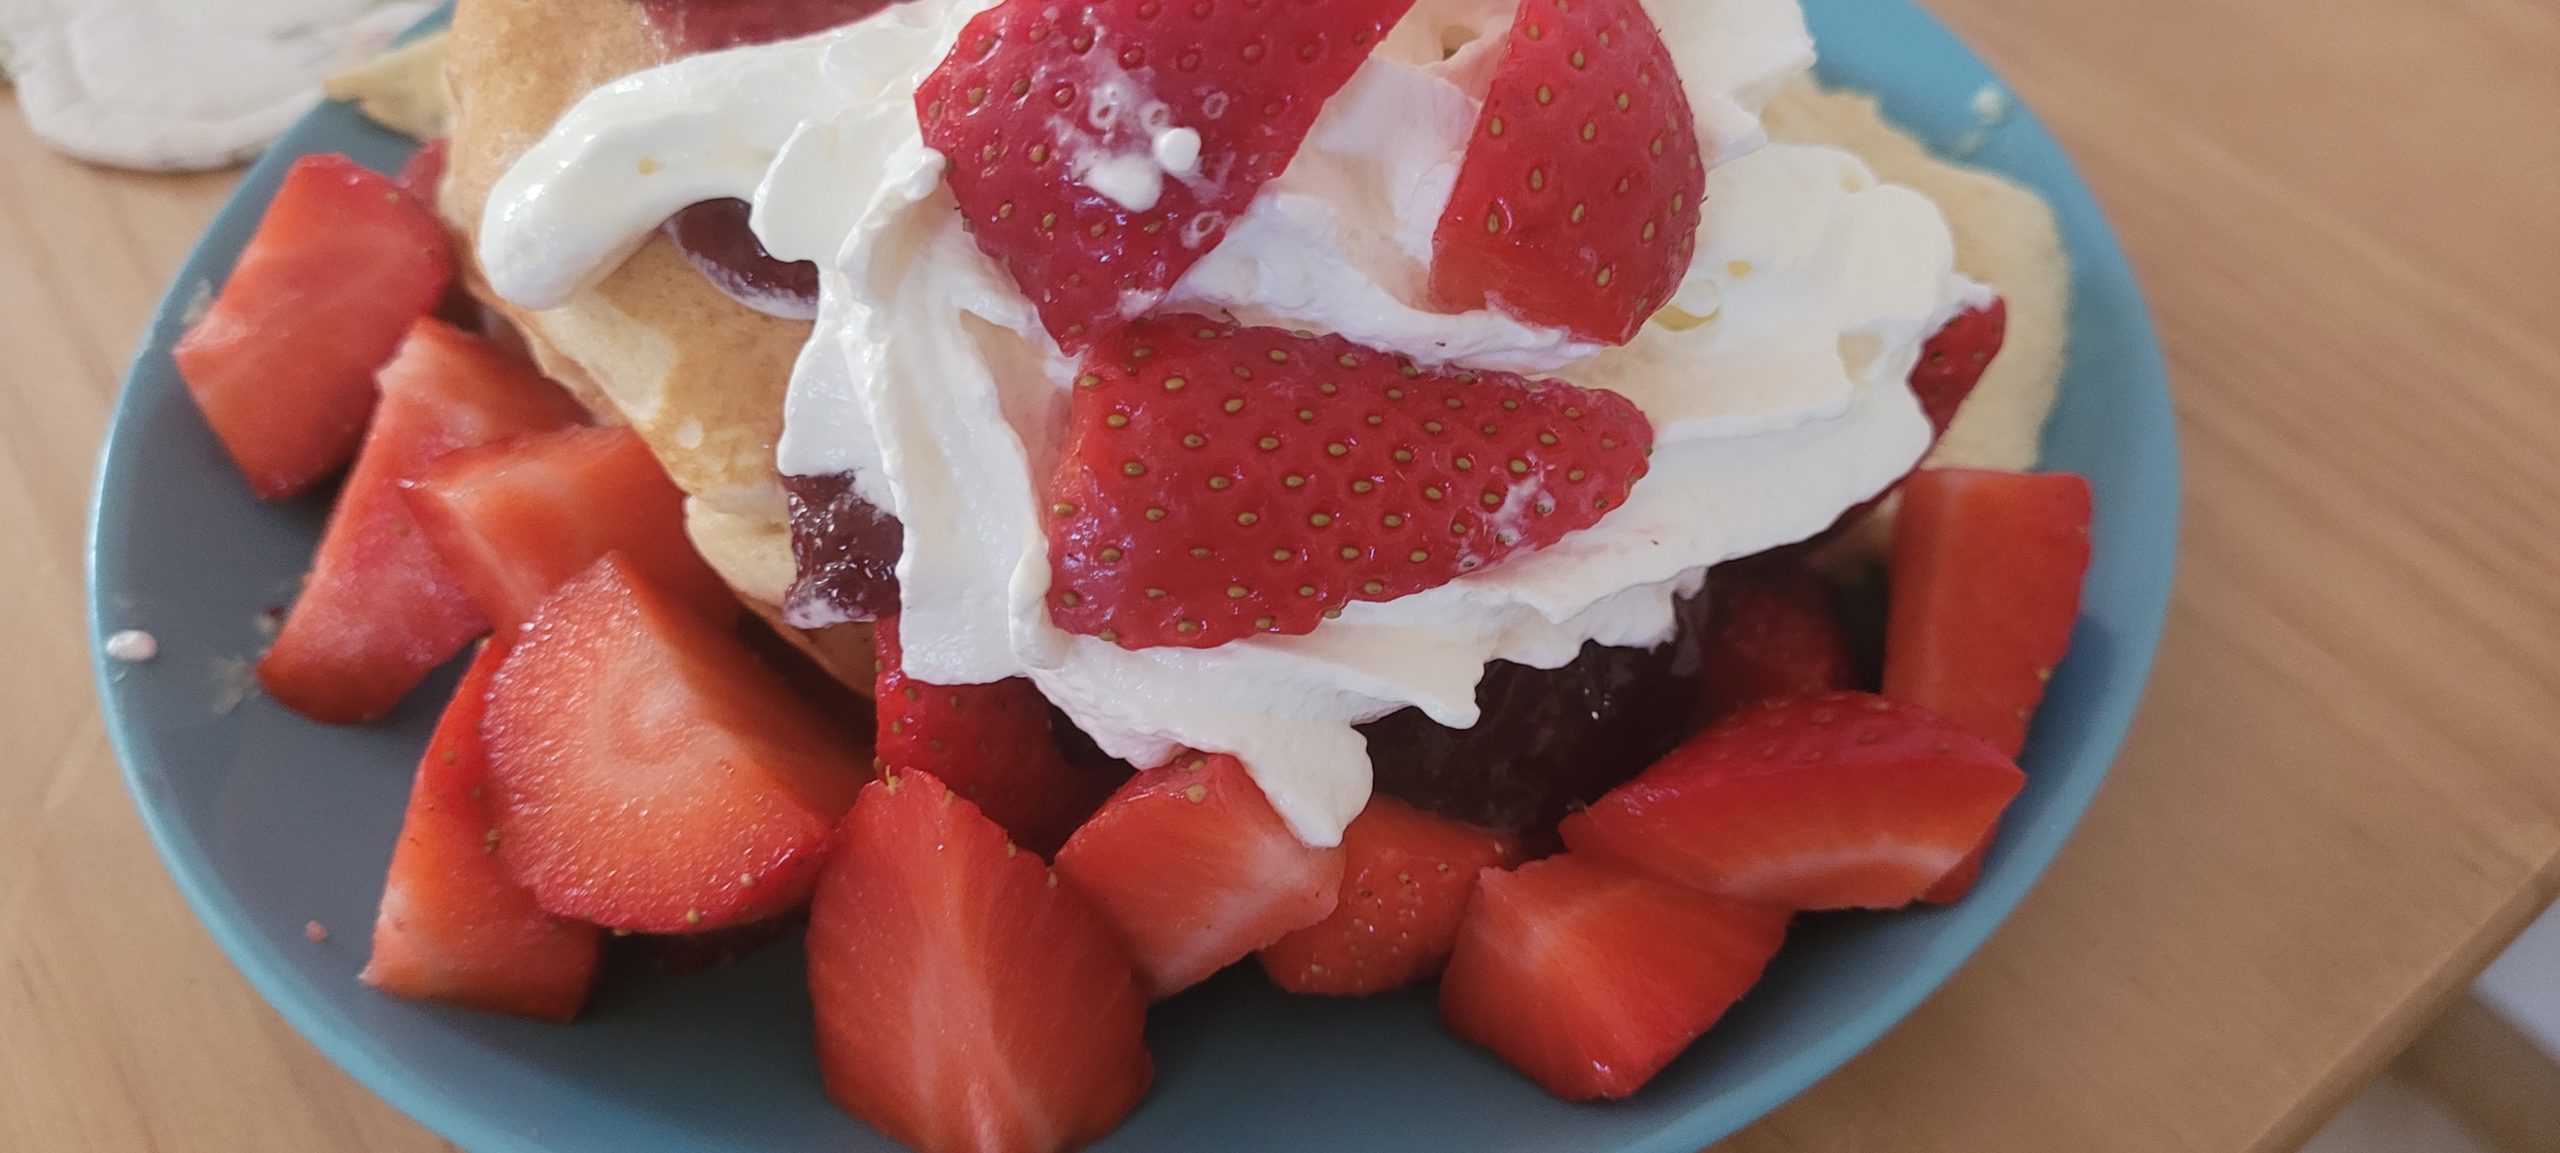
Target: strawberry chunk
(1043, 102)
(1987, 569)
(1406, 879)
(966, 1003)
(1773, 631)
(1590, 979)
(381, 608)
(516, 519)
(454, 927)
(1220, 481)
(1194, 870)
(1833, 801)
(283, 362)
(423, 175)
(648, 772)
(991, 743)
(1577, 204)
(1954, 359)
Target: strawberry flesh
(1577, 204)
(381, 608)
(992, 744)
(1406, 879)
(1219, 481)
(1038, 92)
(517, 519)
(1832, 801)
(966, 1002)
(1194, 870)
(1954, 359)
(648, 773)
(685, 27)
(283, 362)
(1987, 569)
(1773, 631)
(454, 927)
(1590, 979)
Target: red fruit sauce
(845, 551)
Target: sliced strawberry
(423, 175)
(454, 926)
(991, 743)
(1773, 630)
(1219, 481)
(380, 608)
(1959, 880)
(1405, 883)
(1953, 361)
(1987, 568)
(1193, 868)
(1042, 99)
(1577, 204)
(649, 774)
(966, 1002)
(283, 362)
(1833, 801)
(518, 518)
(1590, 979)
(690, 26)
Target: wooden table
(2341, 799)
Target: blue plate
(269, 821)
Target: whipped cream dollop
(1774, 381)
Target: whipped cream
(1774, 382)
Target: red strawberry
(454, 926)
(1219, 481)
(990, 743)
(380, 608)
(1772, 631)
(1987, 569)
(283, 362)
(1038, 91)
(648, 773)
(966, 1002)
(516, 519)
(1405, 883)
(1590, 980)
(1193, 868)
(1953, 361)
(1834, 801)
(423, 175)
(1959, 880)
(1577, 204)
(690, 26)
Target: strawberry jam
(686, 27)
(845, 551)
(715, 237)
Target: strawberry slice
(516, 519)
(648, 772)
(1773, 630)
(1043, 102)
(423, 175)
(454, 927)
(283, 362)
(1833, 801)
(1577, 204)
(380, 608)
(1954, 359)
(1406, 879)
(991, 743)
(966, 1002)
(1987, 568)
(1220, 481)
(1590, 979)
(1194, 870)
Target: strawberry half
(966, 1002)
(648, 772)
(1577, 205)
(1218, 481)
(282, 364)
(1987, 568)
(1954, 359)
(454, 927)
(517, 519)
(1833, 801)
(381, 609)
(1040, 99)
(1773, 630)
(1590, 979)
(991, 743)
(1405, 883)
(1193, 868)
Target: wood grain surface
(2343, 794)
